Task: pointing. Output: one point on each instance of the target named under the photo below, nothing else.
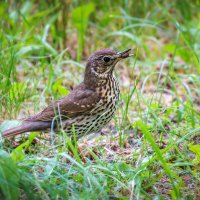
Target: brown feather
(80, 100)
(26, 127)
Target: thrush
(89, 107)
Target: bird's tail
(26, 126)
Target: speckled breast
(101, 114)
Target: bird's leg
(73, 148)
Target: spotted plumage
(89, 107)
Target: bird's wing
(80, 100)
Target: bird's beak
(123, 54)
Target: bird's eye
(106, 59)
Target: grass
(150, 150)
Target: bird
(88, 108)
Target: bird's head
(102, 62)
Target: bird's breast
(109, 96)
